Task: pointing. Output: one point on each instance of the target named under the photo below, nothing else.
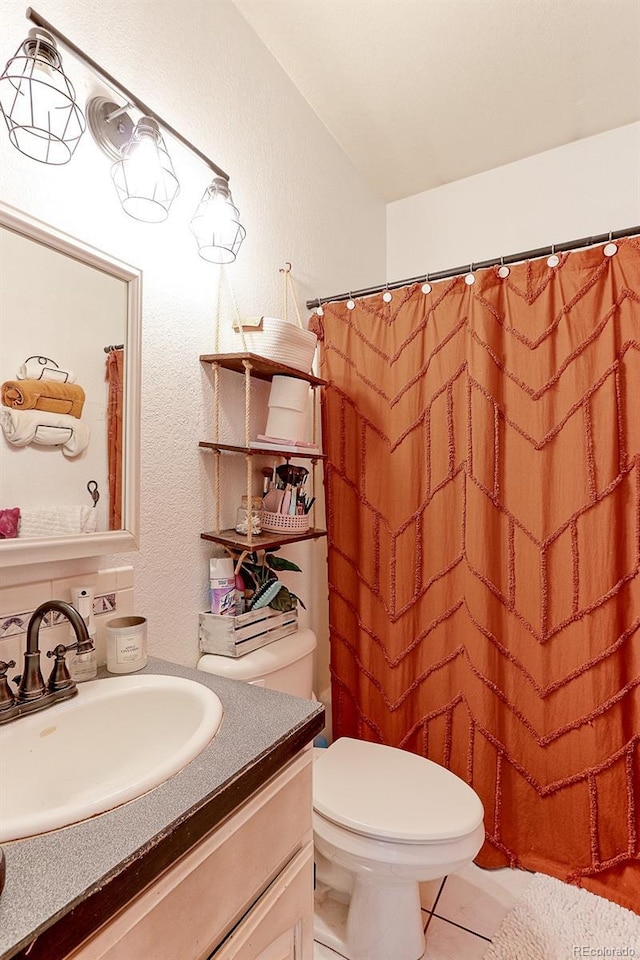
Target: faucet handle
(7, 699)
(82, 646)
(60, 678)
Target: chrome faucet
(32, 693)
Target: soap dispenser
(84, 666)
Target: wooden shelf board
(262, 452)
(262, 541)
(261, 368)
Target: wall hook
(92, 487)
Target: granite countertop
(62, 885)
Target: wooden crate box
(235, 636)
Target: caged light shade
(216, 224)
(144, 177)
(38, 102)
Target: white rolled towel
(44, 368)
(56, 521)
(48, 429)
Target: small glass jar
(242, 516)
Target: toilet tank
(285, 665)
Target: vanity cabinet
(253, 366)
(244, 892)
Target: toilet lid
(391, 794)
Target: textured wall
(201, 67)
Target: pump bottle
(84, 666)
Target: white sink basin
(111, 743)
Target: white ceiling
(422, 92)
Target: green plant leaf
(280, 563)
(297, 599)
(283, 600)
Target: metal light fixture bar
(130, 97)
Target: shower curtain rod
(470, 267)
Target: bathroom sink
(114, 741)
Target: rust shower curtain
(115, 433)
(483, 489)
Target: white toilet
(383, 820)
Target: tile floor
(462, 913)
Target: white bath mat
(556, 921)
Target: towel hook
(92, 487)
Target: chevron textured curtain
(483, 484)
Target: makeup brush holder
(285, 523)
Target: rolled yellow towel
(49, 395)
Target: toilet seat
(389, 794)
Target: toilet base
(381, 921)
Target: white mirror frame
(18, 551)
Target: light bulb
(48, 98)
(143, 165)
(144, 177)
(216, 224)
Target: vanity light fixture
(38, 102)
(216, 224)
(142, 172)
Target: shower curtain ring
(554, 259)
(503, 271)
(426, 286)
(470, 278)
(386, 296)
(351, 304)
(319, 310)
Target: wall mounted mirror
(70, 396)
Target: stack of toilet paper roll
(288, 409)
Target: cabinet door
(188, 911)
(280, 925)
